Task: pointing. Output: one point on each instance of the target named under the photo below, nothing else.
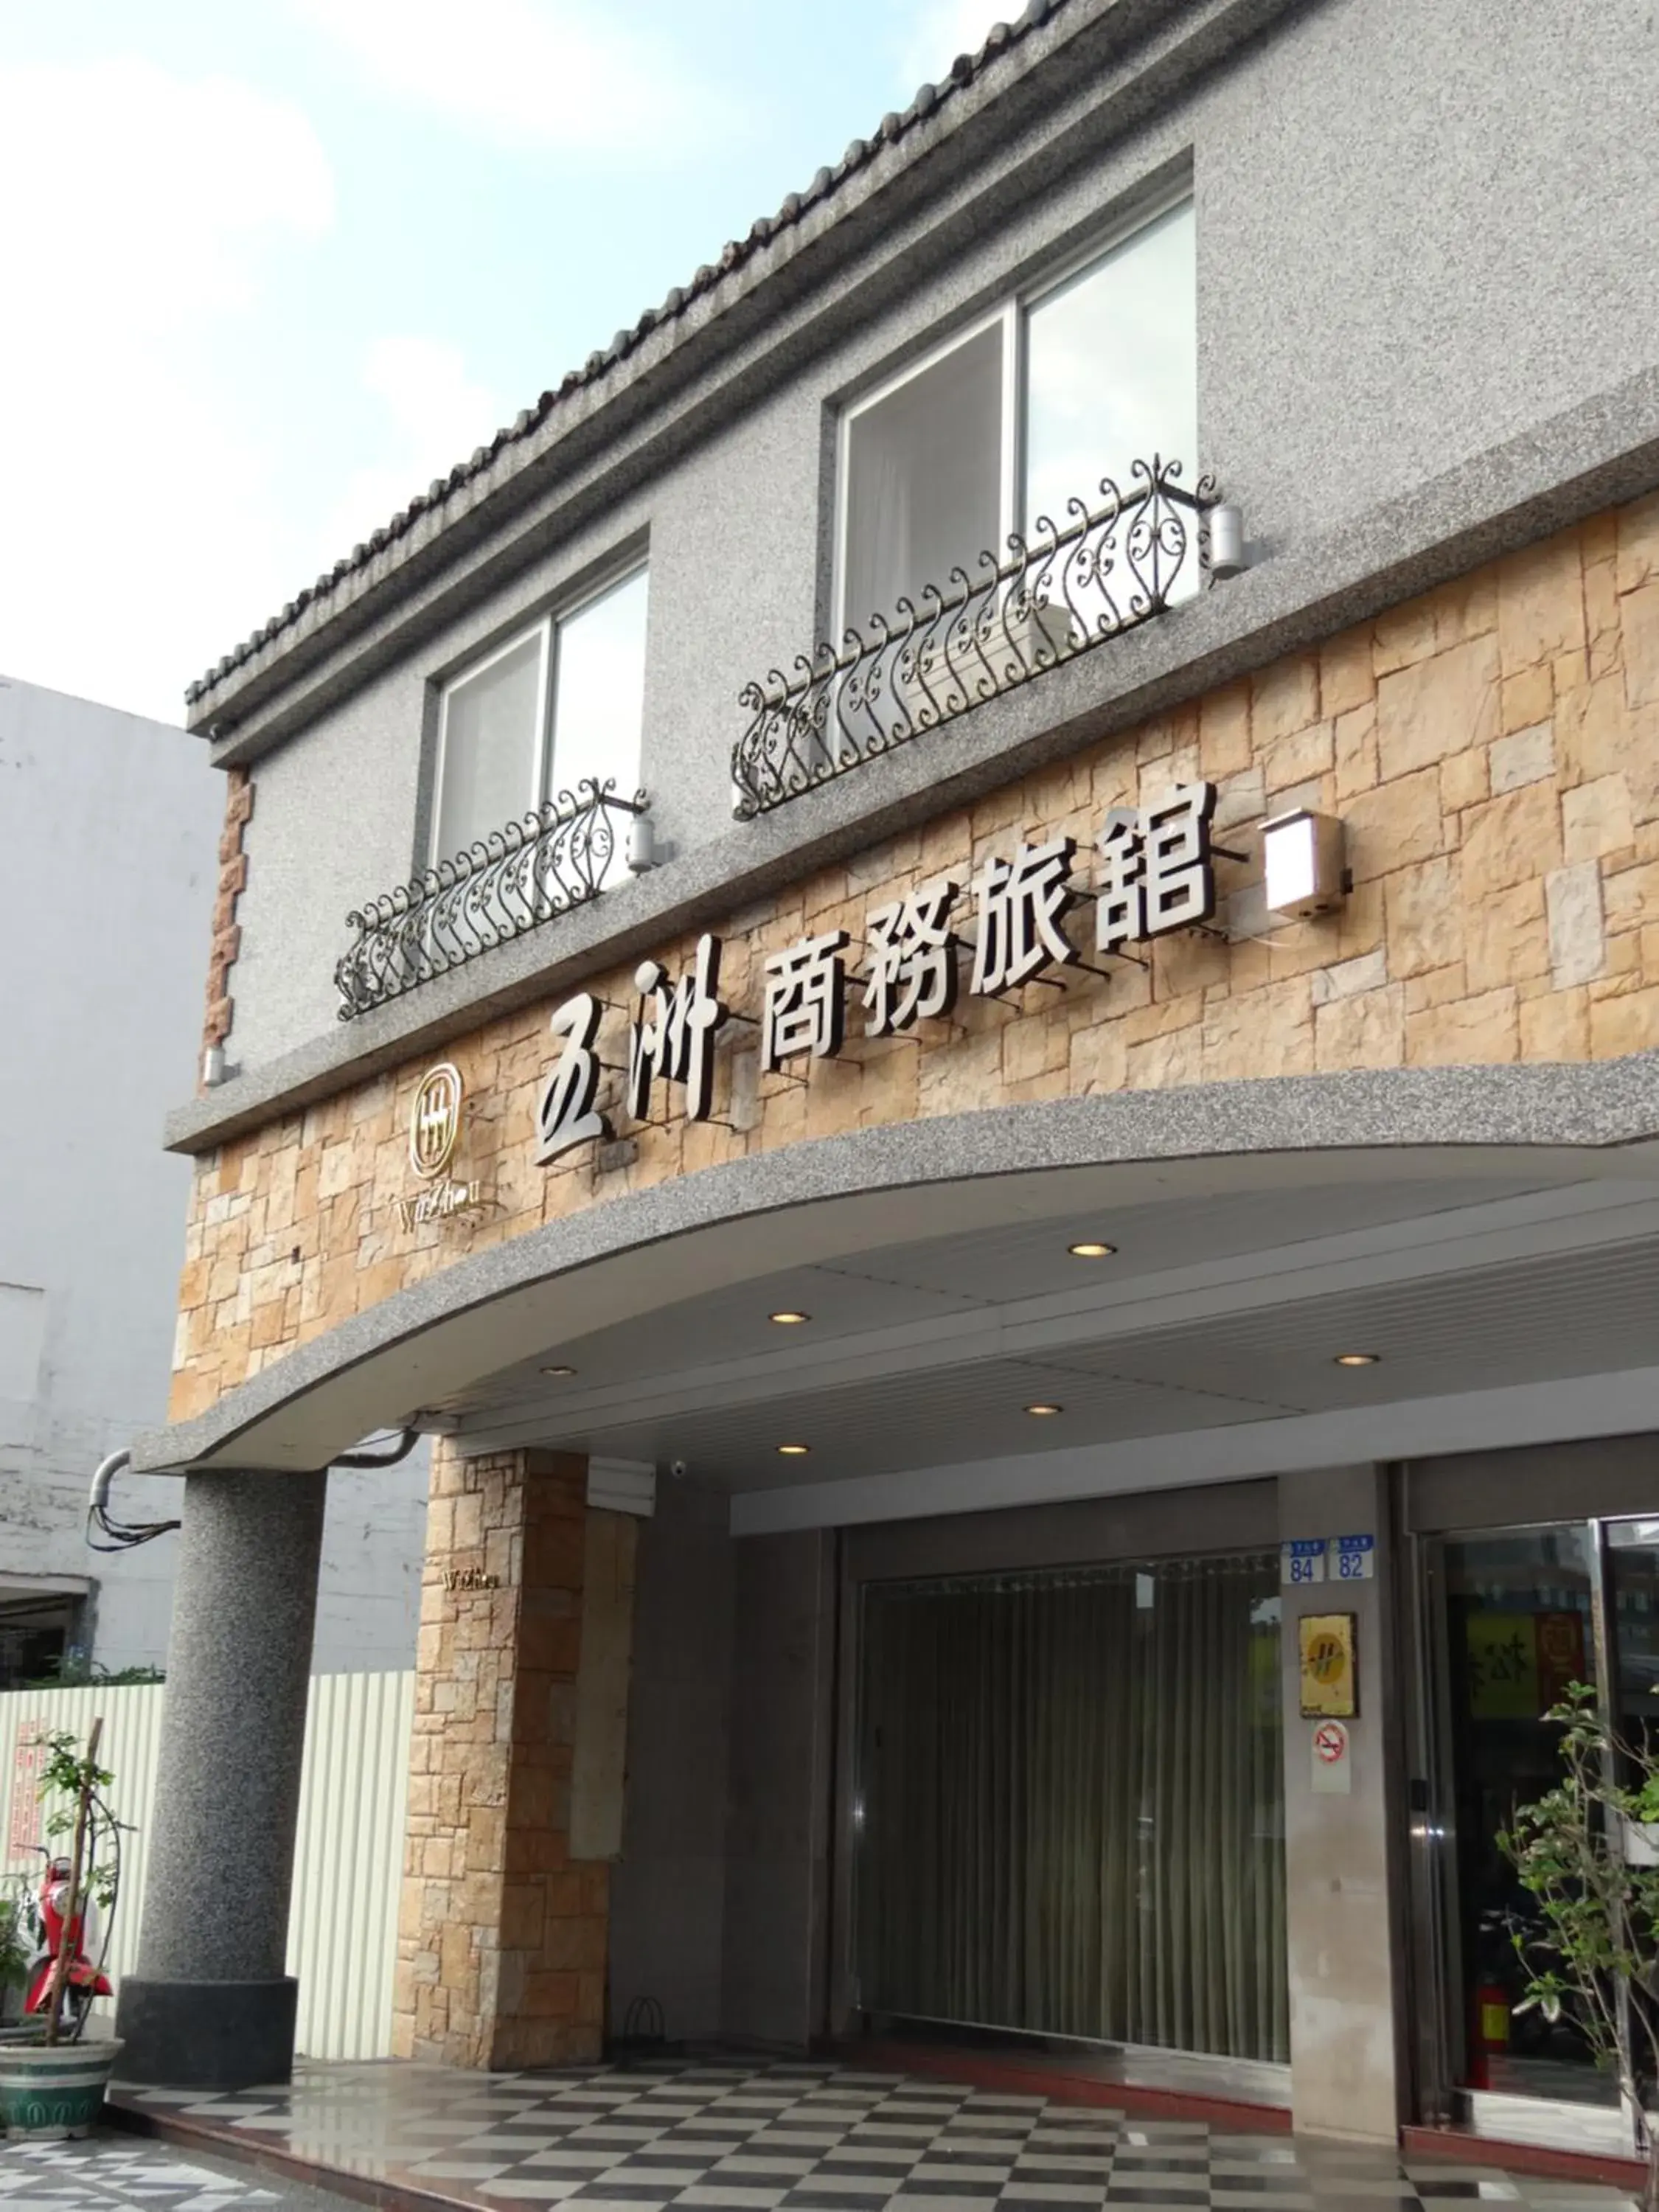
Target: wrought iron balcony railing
(528, 872)
(1053, 594)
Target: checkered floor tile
(99, 2176)
(809, 2138)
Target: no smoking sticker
(1331, 1769)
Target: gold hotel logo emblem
(434, 1123)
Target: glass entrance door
(1515, 1627)
(1069, 1814)
(1512, 1616)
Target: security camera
(678, 1469)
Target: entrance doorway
(1511, 1617)
(1069, 1814)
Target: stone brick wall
(501, 1936)
(233, 880)
(1493, 748)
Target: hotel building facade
(956, 971)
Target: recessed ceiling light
(787, 1320)
(1042, 1412)
(560, 1371)
(795, 1451)
(1357, 1358)
(1092, 1251)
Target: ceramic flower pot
(48, 2091)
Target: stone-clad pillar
(502, 1937)
(210, 2005)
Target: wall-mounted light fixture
(1226, 539)
(1303, 863)
(213, 1067)
(641, 845)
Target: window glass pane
(924, 473)
(1517, 1630)
(600, 692)
(490, 748)
(1112, 370)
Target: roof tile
(733, 255)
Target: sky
(265, 271)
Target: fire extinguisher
(1489, 2035)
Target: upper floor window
(558, 704)
(1058, 389)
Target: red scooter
(83, 1981)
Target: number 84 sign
(1307, 1559)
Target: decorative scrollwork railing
(527, 872)
(1051, 595)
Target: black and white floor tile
(98, 2175)
(809, 2138)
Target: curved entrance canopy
(1251, 1222)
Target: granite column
(210, 2005)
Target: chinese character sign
(805, 1010)
(28, 1764)
(910, 971)
(1155, 870)
(1155, 875)
(565, 1112)
(672, 1040)
(1020, 905)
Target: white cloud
(558, 73)
(435, 416)
(941, 30)
(134, 206)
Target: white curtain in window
(1070, 1804)
(924, 469)
(491, 747)
(1111, 369)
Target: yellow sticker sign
(1502, 1666)
(1326, 1646)
(1519, 1664)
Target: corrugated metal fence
(342, 1940)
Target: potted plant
(53, 2083)
(1584, 1851)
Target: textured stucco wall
(339, 811)
(1491, 749)
(111, 826)
(1406, 257)
(1407, 253)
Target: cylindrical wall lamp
(1226, 539)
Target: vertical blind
(1070, 1804)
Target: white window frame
(546, 628)
(1002, 318)
(1013, 314)
(538, 773)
